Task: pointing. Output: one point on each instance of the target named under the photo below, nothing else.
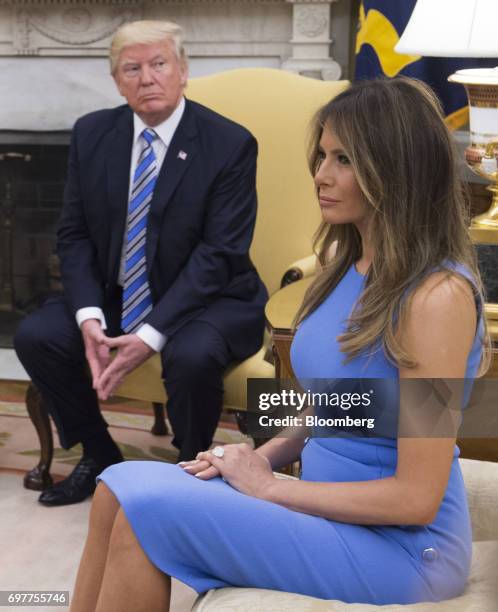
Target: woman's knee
(123, 539)
(105, 507)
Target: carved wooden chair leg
(241, 418)
(39, 477)
(159, 428)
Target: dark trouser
(50, 347)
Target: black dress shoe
(76, 487)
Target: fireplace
(32, 175)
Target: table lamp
(466, 28)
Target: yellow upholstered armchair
(276, 107)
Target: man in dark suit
(158, 217)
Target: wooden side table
(280, 311)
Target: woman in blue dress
(373, 520)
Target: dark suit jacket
(199, 229)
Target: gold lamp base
(484, 163)
(484, 228)
(481, 86)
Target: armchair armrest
(481, 483)
(302, 268)
(305, 267)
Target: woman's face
(341, 200)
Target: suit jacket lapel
(120, 142)
(179, 155)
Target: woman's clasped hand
(240, 466)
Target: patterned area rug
(130, 427)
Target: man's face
(152, 80)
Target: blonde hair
(403, 157)
(143, 33)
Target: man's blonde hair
(144, 33)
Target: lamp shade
(451, 28)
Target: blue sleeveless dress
(208, 535)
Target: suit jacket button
(430, 554)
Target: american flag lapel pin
(182, 155)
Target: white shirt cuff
(151, 337)
(90, 312)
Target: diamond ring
(218, 451)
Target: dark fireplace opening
(32, 175)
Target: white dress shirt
(165, 131)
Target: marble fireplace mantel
(53, 53)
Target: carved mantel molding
(73, 26)
(296, 33)
(311, 40)
(57, 28)
(37, 3)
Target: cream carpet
(40, 547)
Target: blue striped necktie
(137, 299)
